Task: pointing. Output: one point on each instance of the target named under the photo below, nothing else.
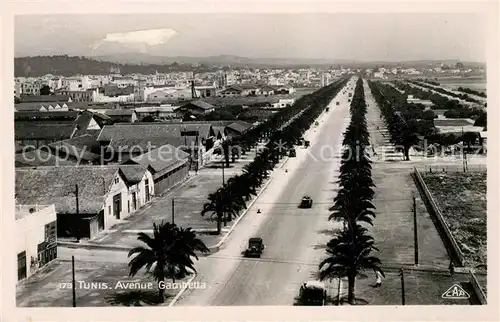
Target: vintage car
(306, 202)
(338, 103)
(307, 144)
(312, 293)
(327, 109)
(292, 153)
(255, 247)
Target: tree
(215, 206)
(168, 253)
(481, 120)
(148, 118)
(348, 254)
(45, 90)
(429, 115)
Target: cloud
(137, 39)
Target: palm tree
(348, 254)
(215, 206)
(168, 253)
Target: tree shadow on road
(329, 232)
(135, 298)
(343, 301)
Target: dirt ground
(462, 200)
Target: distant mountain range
(147, 64)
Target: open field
(478, 84)
(462, 200)
(248, 100)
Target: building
(237, 128)
(169, 166)
(42, 128)
(284, 102)
(87, 199)
(122, 115)
(36, 238)
(87, 95)
(206, 91)
(156, 112)
(195, 108)
(197, 139)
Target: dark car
(312, 293)
(327, 109)
(338, 103)
(307, 143)
(292, 153)
(306, 202)
(255, 247)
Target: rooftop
(150, 130)
(56, 185)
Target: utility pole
(77, 214)
(402, 287)
(223, 181)
(74, 282)
(464, 157)
(415, 229)
(173, 216)
(338, 291)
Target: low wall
(438, 216)
(477, 288)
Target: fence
(436, 168)
(481, 295)
(438, 216)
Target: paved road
(293, 237)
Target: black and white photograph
(251, 159)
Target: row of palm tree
(349, 251)
(286, 128)
(169, 253)
(403, 128)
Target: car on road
(307, 144)
(255, 247)
(312, 293)
(338, 103)
(327, 109)
(306, 202)
(292, 153)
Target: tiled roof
(133, 173)
(36, 131)
(27, 106)
(162, 158)
(36, 115)
(200, 104)
(56, 185)
(145, 144)
(240, 126)
(85, 147)
(40, 157)
(159, 130)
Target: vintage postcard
(227, 157)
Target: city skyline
(391, 37)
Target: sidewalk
(393, 226)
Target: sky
(353, 36)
